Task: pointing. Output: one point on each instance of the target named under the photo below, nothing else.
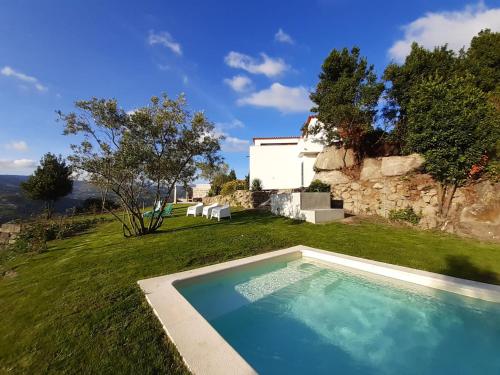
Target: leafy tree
(232, 175)
(256, 185)
(50, 182)
(132, 155)
(482, 60)
(450, 122)
(346, 98)
(419, 65)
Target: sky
(249, 65)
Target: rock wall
(241, 198)
(9, 233)
(395, 182)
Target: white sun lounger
(220, 212)
(207, 210)
(195, 210)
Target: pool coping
(205, 351)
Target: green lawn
(77, 308)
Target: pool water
(306, 317)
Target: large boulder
(332, 158)
(481, 221)
(332, 177)
(371, 170)
(401, 165)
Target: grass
(77, 308)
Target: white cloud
(283, 37)
(239, 83)
(233, 144)
(230, 143)
(233, 124)
(17, 146)
(19, 165)
(284, 98)
(453, 28)
(9, 72)
(163, 38)
(267, 65)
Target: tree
(232, 175)
(346, 98)
(50, 182)
(419, 65)
(450, 122)
(482, 60)
(132, 155)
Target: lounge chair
(167, 211)
(220, 212)
(195, 210)
(207, 210)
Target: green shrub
(405, 214)
(318, 187)
(94, 205)
(256, 185)
(34, 236)
(231, 186)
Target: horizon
(250, 70)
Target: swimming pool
(299, 312)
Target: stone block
(332, 177)
(371, 169)
(333, 158)
(401, 165)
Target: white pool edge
(206, 352)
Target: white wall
(278, 167)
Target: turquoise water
(304, 317)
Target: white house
(285, 162)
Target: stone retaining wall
(395, 182)
(9, 233)
(241, 198)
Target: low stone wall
(9, 233)
(241, 198)
(395, 182)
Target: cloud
(230, 143)
(233, 144)
(453, 28)
(283, 37)
(9, 72)
(17, 146)
(19, 165)
(239, 83)
(267, 65)
(283, 98)
(164, 39)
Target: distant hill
(14, 205)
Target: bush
(256, 185)
(318, 187)
(94, 205)
(405, 214)
(231, 186)
(34, 236)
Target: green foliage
(34, 235)
(231, 186)
(405, 214)
(420, 64)
(482, 60)
(256, 185)
(218, 182)
(318, 186)
(50, 181)
(232, 175)
(130, 155)
(451, 123)
(94, 205)
(346, 97)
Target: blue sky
(248, 65)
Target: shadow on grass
(461, 266)
(238, 218)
